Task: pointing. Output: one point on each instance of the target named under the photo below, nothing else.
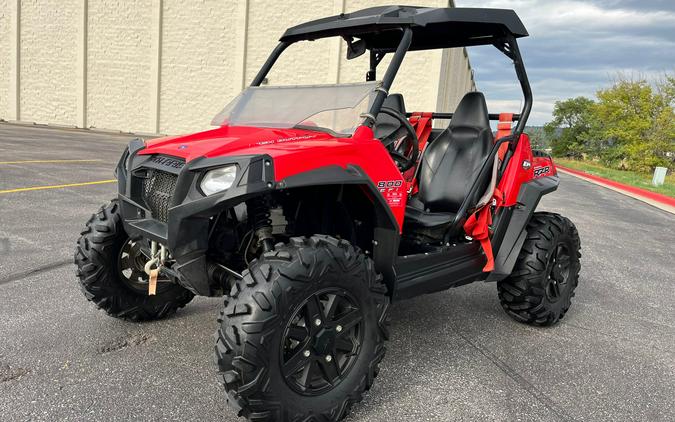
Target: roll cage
(399, 29)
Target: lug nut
(329, 358)
(338, 328)
(306, 353)
(317, 322)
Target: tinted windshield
(335, 108)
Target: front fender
(386, 235)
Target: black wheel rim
(131, 267)
(558, 273)
(321, 342)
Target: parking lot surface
(454, 355)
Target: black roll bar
(388, 78)
(265, 69)
(524, 84)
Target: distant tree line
(630, 126)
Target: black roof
(432, 27)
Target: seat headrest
(395, 101)
(471, 111)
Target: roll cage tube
(265, 69)
(510, 48)
(388, 78)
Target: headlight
(217, 180)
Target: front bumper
(186, 230)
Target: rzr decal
(538, 171)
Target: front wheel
(540, 289)
(110, 269)
(301, 336)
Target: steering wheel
(402, 144)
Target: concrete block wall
(119, 64)
(7, 56)
(168, 66)
(49, 37)
(197, 71)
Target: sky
(575, 48)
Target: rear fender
(511, 224)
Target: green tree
(638, 122)
(572, 120)
(630, 126)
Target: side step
(435, 271)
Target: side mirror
(355, 48)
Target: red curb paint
(657, 197)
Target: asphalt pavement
(453, 355)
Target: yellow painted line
(49, 161)
(69, 185)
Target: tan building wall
(168, 66)
(6, 58)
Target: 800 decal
(389, 184)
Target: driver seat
(449, 166)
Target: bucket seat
(449, 166)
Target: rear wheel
(110, 269)
(541, 287)
(301, 336)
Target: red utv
(312, 208)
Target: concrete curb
(654, 199)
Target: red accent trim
(657, 197)
(503, 129)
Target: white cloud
(577, 47)
(570, 15)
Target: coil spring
(259, 213)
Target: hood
(238, 140)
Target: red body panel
(515, 174)
(295, 151)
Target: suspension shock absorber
(259, 215)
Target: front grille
(157, 192)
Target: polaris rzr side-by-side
(312, 208)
